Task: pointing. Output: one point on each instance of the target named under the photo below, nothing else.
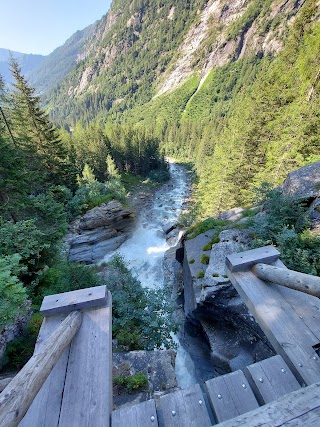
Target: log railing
(31, 391)
(259, 260)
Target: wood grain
(19, 394)
(140, 415)
(242, 261)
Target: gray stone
(303, 183)
(169, 226)
(232, 214)
(157, 365)
(110, 214)
(93, 236)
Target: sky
(39, 26)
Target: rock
(111, 214)
(232, 214)
(314, 211)
(157, 365)
(90, 254)
(303, 183)
(98, 232)
(169, 226)
(232, 240)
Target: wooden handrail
(17, 397)
(289, 278)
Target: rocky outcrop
(98, 232)
(158, 367)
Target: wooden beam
(74, 300)
(243, 261)
(300, 409)
(19, 394)
(291, 279)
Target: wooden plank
(245, 260)
(141, 415)
(271, 379)
(230, 395)
(283, 327)
(307, 307)
(87, 396)
(297, 409)
(185, 408)
(45, 408)
(74, 300)
(18, 396)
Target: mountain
(231, 87)
(28, 63)
(56, 66)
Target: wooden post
(19, 394)
(291, 279)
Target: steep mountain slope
(232, 87)
(56, 66)
(28, 63)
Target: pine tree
(35, 134)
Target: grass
(192, 261)
(204, 259)
(202, 227)
(200, 275)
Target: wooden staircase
(224, 398)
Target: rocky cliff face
(99, 232)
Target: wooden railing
(43, 382)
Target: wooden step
(141, 415)
(184, 408)
(271, 379)
(230, 396)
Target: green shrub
(215, 274)
(13, 294)
(200, 275)
(192, 261)
(204, 259)
(138, 381)
(202, 227)
(142, 318)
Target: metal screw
(300, 364)
(219, 396)
(244, 386)
(152, 419)
(315, 357)
(200, 402)
(173, 413)
(283, 370)
(261, 380)
(300, 317)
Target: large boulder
(98, 232)
(303, 183)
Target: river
(144, 250)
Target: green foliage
(192, 261)
(13, 295)
(204, 259)
(215, 274)
(200, 275)
(141, 317)
(94, 193)
(284, 223)
(132, 383)
(19, 351)
(203, 226)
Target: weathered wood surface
(19, 394)
(242, 261)
(298, 409)
(306, 306)
(230, 395)
(74, 300)
(282, 325)
(270, 379)
(185, 408)
(45, 408)
(291, 279)
(87, 395)
(4, 382)
(141, 415)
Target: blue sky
(39, 26)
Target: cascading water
(144, 250)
